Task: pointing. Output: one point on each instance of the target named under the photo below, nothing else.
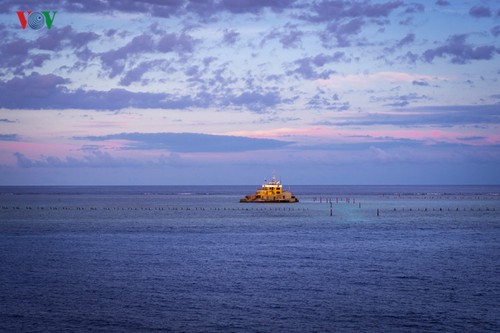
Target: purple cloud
(93, 159)
(254, 6)
(406, 40)
(289, 36)
(20, 55)
(8, 137)
(471, 138)
(328, 10)
(190, 142)
(331, 102)
(441, 116)
(230, 36)
(39, 91)
(401, 100)
(480, 11)
(136, 73)
(153, 8)
(173, 42)
(203, 8)
(409, 57)
(30, 90)
(114, 60)
(172, 8)
(37, 60)
(459, 51)
(14, 53)
(323, 59)
(342, 32)
(421, 83)
(442, 3)
(347, 18)
(63, 38)
(412, 8)
(495, 31)
(292, 39)
(307, 67)
(254, 101)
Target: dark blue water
(193, 259)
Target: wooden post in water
(331, 209)
(378, 212)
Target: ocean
(194, 259)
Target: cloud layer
(129, 84)
(190, 142)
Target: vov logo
(36, 20)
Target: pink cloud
(323, 134)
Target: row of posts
(359, 205)
(348, 200)
(260, 208)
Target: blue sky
(232, 91)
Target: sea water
(194, 259)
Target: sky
(233, 91)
